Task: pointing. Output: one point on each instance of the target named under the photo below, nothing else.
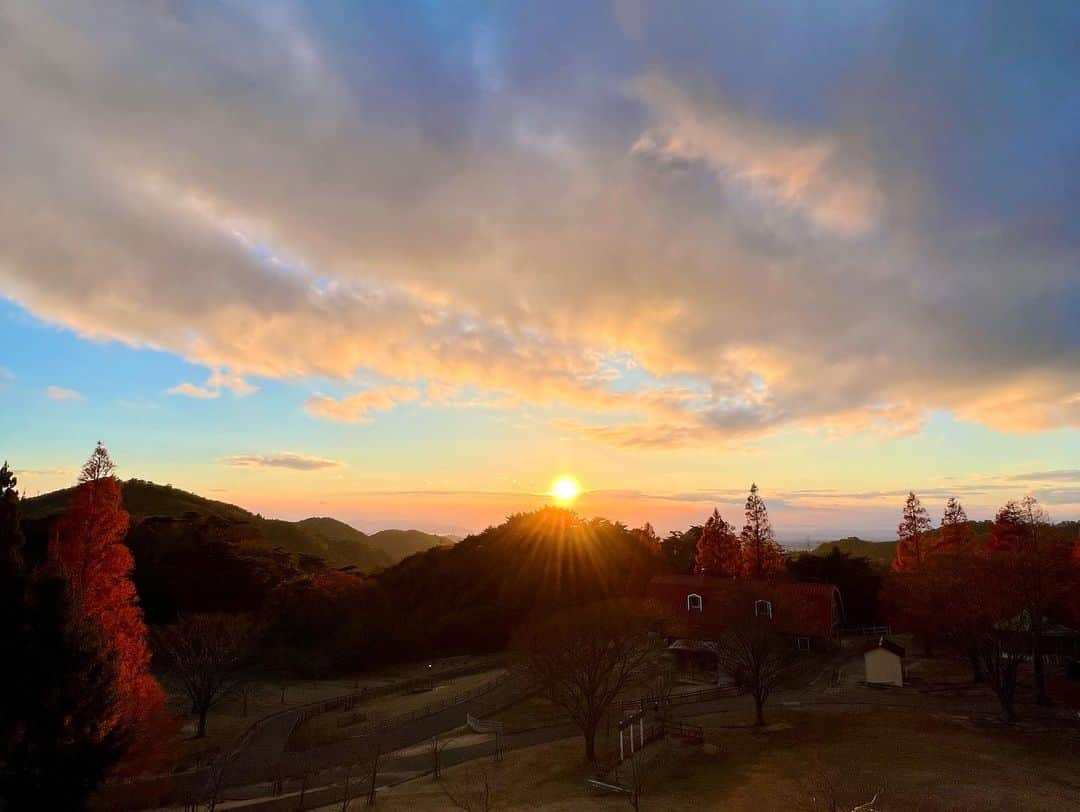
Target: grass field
(228, 720)
(340, 724)
(911, 760)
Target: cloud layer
(62, 393)
(285, 459)
(780, 234)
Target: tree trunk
(590, 743)
(201, 732)
(759, 708)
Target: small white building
(884, 663)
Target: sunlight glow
(565, 490)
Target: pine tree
(762, 556)
(89, 550)
(912, 547)
(956, 535)
(719, 552)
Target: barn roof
(798, 608)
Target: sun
(565, 489)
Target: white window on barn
(694, 602)
(802, 643)
(763, 608)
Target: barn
(699, 608)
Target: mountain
(399, 544)
(336, 543)
(880, 553)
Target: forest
(105, 610)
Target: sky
(406, 263)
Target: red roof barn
(707, 605)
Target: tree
(956, 535)
(854, 576)
(719, 551)
(205, 654)
(1021, 533)
(11, 537)
(679, 550)
(57, 739)
(762, 556)
(912, 537)
(755, 657)
(88, 549)
(582, 659)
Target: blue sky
(406, 263)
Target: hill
(400, 544)
(336, 543)
(470, 596)
(880, 553)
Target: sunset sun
(565, 490)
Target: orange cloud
(358, 408)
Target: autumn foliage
(719, 551)
(753, 554)
(88, 549)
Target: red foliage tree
(719, 551)
(1041, 565)
(88, 548)
(912, 534)
(956, 535)
(762, 556)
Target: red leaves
(719, 551)
(89, 550)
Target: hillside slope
(880, 553)
(400, 544)
(336, 543)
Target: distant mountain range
(336, 543)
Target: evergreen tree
(912, 535)
(719, 552)
(956, 535)
(762, 555)
(11, 538)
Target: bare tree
(582, 659)
(476, 791)
(205, 654)
(755, 657)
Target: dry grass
(228, 721)
(340, 724)
(917, 761)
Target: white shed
(884, 663)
